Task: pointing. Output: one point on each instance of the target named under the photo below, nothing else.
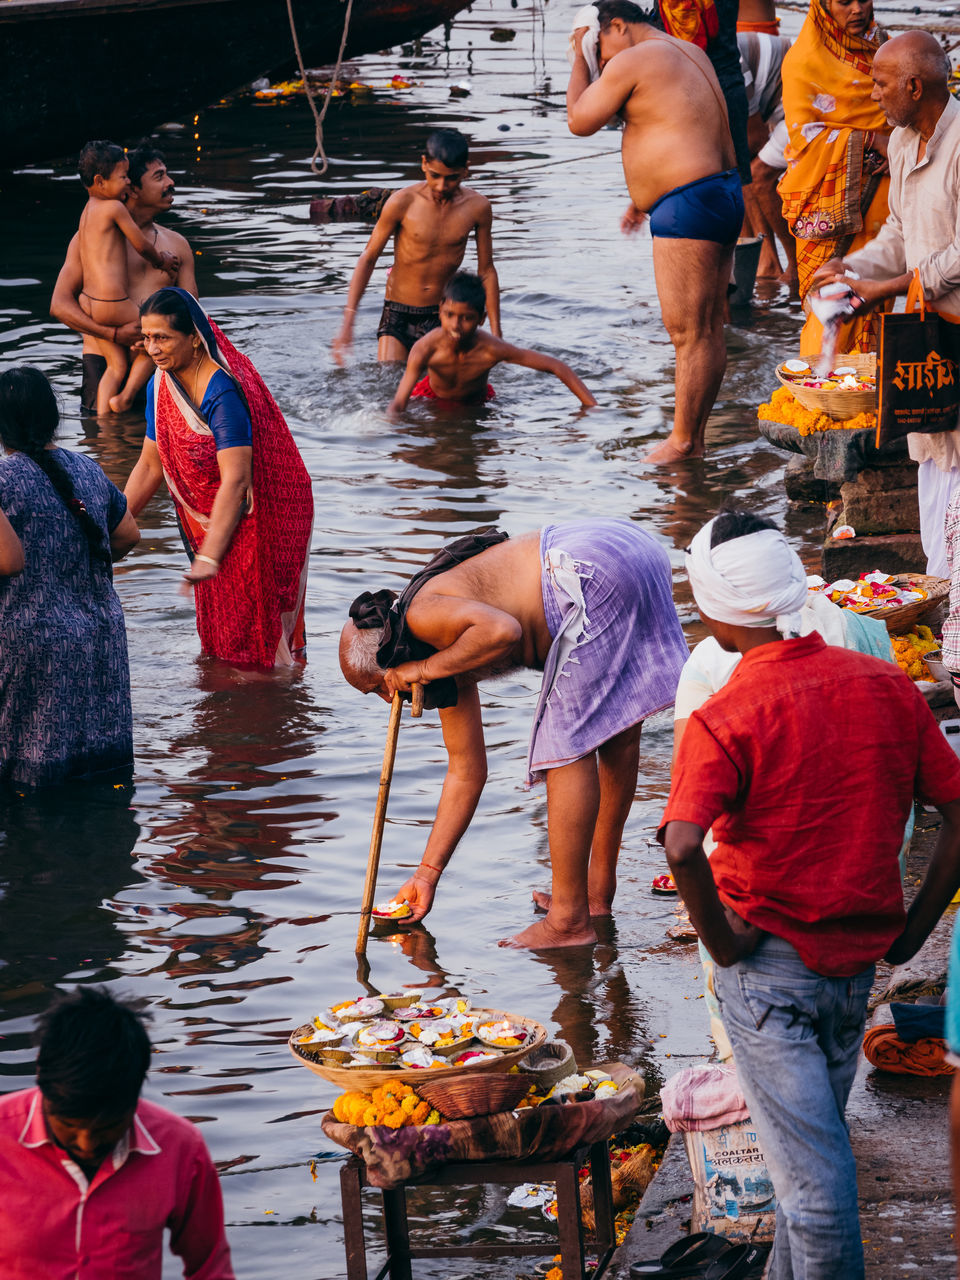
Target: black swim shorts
(94, 367)
(407, 324)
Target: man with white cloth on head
(805, 766)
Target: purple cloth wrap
(617, 647)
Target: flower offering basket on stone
(834, 395)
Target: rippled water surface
(226, 891)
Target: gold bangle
(206, 559)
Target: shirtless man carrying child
(104, 224)
(431, 223)
(680, 167)
(458, 356)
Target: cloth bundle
(706, 1097)
(753, 581)
(885, 1050)
(587, 17)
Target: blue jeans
(796, 1041)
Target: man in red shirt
(90, 1174)
(805, 765)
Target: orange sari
(832, 201)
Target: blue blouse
(222, 409)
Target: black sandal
(688, 1259)
(739, 1263)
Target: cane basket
(839, 403)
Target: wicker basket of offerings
(901, 617)
(850, 389)
(344, 1067)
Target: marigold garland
(393, 1105)
(783, 406)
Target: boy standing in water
(458, 355)
(430, 222)
(104, 171)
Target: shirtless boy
(680, 167)
(151, 194)
(458, 356)
(431, 223)
(104, 224)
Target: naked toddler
(105, 221)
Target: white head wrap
(753, 581)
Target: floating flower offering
(420, 1058)
(442, 1033)
(421, 1012)
(504, 1034)
(395, 910)
(380, 1035)
(357, 1010)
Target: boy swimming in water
(452, 362)
(430, 223)
(105, 221)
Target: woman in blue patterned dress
(64, 679)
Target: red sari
(251, 612)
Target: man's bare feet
(542, 936)
(542, 901)
(673, 450)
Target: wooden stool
(562, 1171)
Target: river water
(225, 892)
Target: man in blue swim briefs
(680, 167)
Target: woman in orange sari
(241, 492)
(834, 191)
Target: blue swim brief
(709, 209)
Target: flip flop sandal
(688, 1258)
(742, 1261)
(665, 885)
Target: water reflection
(60, 865)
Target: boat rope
(319, 116)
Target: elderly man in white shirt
(921, 236)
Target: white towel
(587, 17)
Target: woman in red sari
(241, 492)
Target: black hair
(28, 422)
(169, 304)
(98, 157)
(734, 522)
(94, 1052)
(607, 10)
(449, 146)
(141, 158)
(466, 287)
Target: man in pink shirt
(90, 1174)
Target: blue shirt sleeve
(226, 413)
(151, 412)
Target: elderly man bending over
(921, 237)
(790, 763)
(587, 603)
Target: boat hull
(81, 69)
